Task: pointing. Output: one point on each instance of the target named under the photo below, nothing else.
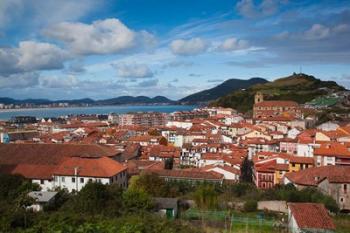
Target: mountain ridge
(112, 101)
(222, 89)
(300, 88)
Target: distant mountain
(135, 100)
(221, 90)
(301, 88)
(114, 101)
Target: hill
(297, 87)
(135, 100)
(221, 90)
(112, 101)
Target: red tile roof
(312, 176)
(90, 167)
(34, 171)
(301, 160)
(276, 103)
(49, 154)
(194, 174)
(311, 216)
(333, 149)
(164, 151)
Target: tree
(169, 163)
(163, 141)
(246, 171)
(147, 182)
(206, 197)
(154, 132)
(250, 206)
(136, 201)
(96, 198)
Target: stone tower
(259, 97)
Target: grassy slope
(298, 87)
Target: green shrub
(250, 206)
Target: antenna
(300, 70)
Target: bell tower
(259, 97)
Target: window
(345, 188)
(341, 199)
(293, 164)
(82, 180)
(73, 180)
(42, 181)
(62, 179)
(90, 180)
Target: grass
(240, 221)
(342, 223)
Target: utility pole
(76, 177)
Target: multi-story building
(75, 172)
(148, 119)
(331, 180)
(269, 110)
(188, 115)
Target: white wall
(227, 175)
(45, 185)
(67, 181)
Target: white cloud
(34, 55)
(67, 81)
(134, 71)
(76, 67)
(189, 47)
(232, 44)
(248, 8)
(341, 28)
(21, 80)
(269, 7)
(101, 37)
(9, 10)
(148, 83)
(317, 32)
(37, 13)
(31, 56)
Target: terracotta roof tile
(312, 176)
(90, 167)
(311, 216)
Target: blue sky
(102, 48)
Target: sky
(71, 49)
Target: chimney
(317, 178)
(76, 171)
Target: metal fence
(234, 222)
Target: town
(277, 150)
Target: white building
(75, 172)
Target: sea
(6, 114)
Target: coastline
(6, 114)
(91, 106)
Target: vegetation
(107, 208)
(222, 89)
(301, 88)
(250, 206)
(246, 170)
(96, 208)
(290, 194)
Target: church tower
(259, 97)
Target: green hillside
(224, 88)
(301, 88)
